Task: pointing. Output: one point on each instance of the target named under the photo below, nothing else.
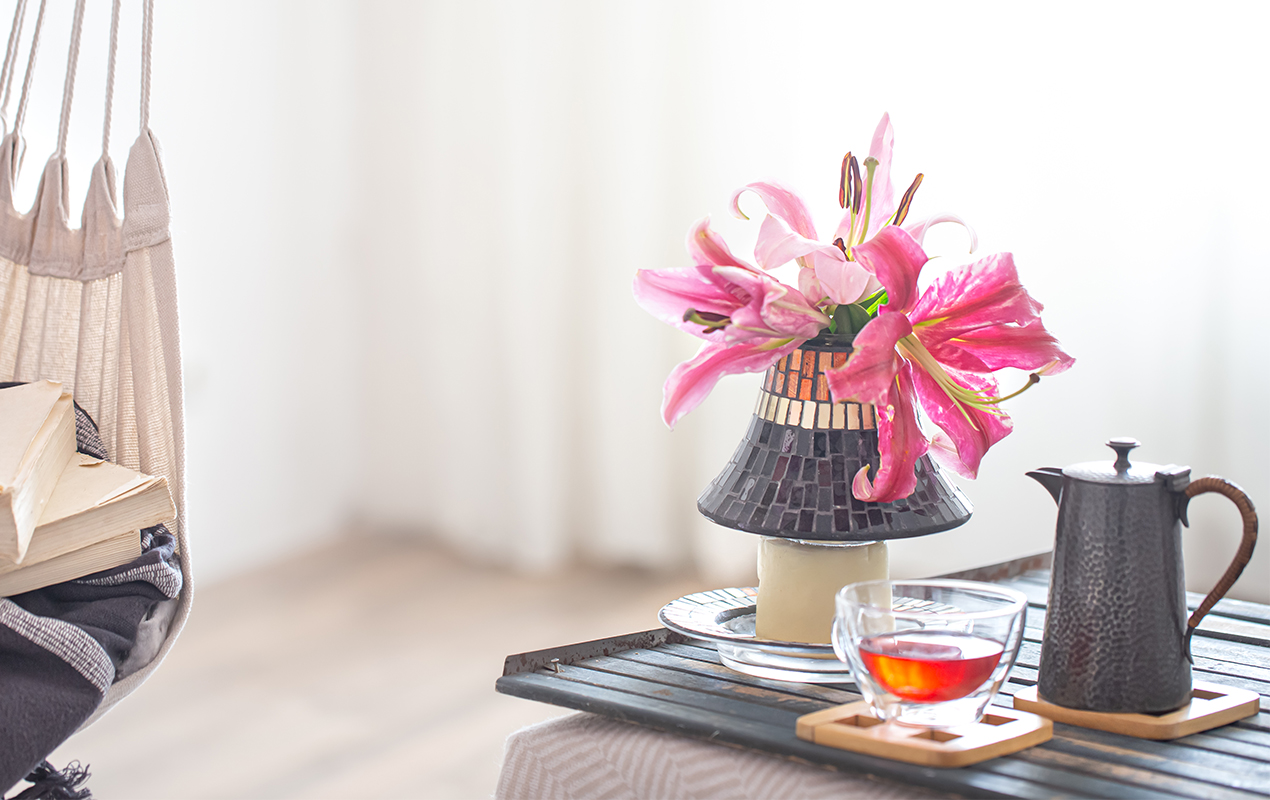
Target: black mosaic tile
(782, 494)
(806, 521)
(795, 467)
(769, 494)
(824, 499)
(773, 519)
(796, 496)
(758, 515)
(819, 444)
(788, 439)
(778, 472)
(841, 519)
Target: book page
(88, 482)
(23, 412)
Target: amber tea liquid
(928, 666)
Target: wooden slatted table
(668, 682)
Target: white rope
(68, 91)
(110, 76)
(10, 56)
(30, 70)
(147, 29)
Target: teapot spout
(1051, 478)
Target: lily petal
(707, 247)
(773, 307)
(882, 149)
(970, 433)
(782, 203)
(691, 381)
(900, 444)
(918, 229)
(896, 259)
(843, 281)
(883, 191)
(778, 245)
(809, 286)
(869, 374)
(668, 293)
(1028, 347)
(976, 295)
(840, 280)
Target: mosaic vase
(791, 475)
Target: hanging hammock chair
(93, 308)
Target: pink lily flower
(827, 272)
(748, 318)
(939, 349)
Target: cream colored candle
(797, 581)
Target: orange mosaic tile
(839, 359)
(809, 365)
(822, 387)
(804, 391)
(780, 383)
(771, 375)
(825, 359)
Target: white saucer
(726, 617)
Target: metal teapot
(1117, 638)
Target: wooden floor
(365, 669)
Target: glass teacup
(931, 653)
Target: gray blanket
(62, 646)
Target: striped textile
(587, 756)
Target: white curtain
(439, 336)
(523, 160)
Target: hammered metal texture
(792, 478)
(1115, 628)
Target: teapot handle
(1236, 495)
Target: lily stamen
(870, 164)
(844, 183)
(710, 321)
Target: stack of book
(63, 514)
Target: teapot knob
(1122, 445)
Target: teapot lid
(1123, 473)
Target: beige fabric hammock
(95, 306)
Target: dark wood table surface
(665, 681)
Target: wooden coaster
(1211, 706)
(854, 727)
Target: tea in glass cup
(931, 653)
